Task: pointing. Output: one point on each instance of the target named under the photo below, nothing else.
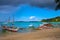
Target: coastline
(45, 34)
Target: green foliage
(58, 4)
(56, 19)
(4, 31)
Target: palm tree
(56, 1)
(58, 4)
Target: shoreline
(45, 34)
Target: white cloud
(32, 17)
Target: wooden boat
(10, 29)
(13, 29)
(46, 26)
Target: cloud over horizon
(8, 6)
(39, 3)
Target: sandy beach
(45, 34)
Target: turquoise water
(26, 25)
(22, 24)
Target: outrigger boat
(13, 29)
(10, 29)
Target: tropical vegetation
(56, 19)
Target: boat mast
(9, 19)
(13, 22)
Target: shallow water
(26, 25)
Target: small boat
(13, 29)
(10, 29)
(45, 26)
(30, 25)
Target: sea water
(26, 24)
(23, 24)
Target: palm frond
(56, 1)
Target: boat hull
(10, 29)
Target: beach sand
(45, 34)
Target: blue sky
(29, 13)
(28, 10)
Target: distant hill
(56, 19)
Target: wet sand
(45, 34)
